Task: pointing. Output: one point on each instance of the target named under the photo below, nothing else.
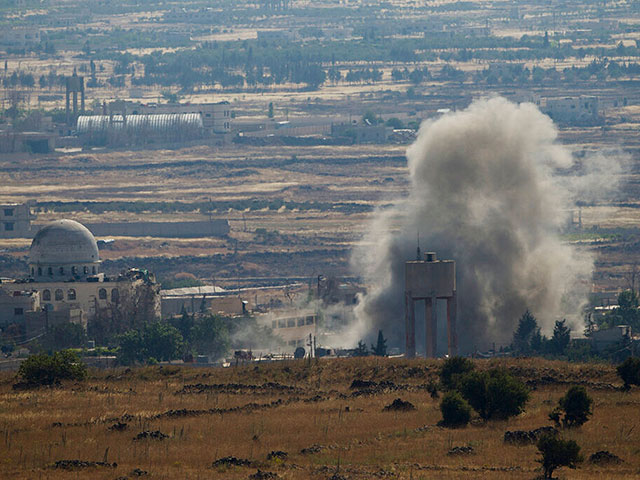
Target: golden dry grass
(39, 427)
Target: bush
(494, 394)
(557, 453)
(456, 412)
(576, 406)
(453, 369)
(629, 372)
(46, 369)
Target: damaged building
(64, 283)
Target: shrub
(46, 369)
(629, 372)
(557, 452)
(452, 369)
(576, 406)
(456, 412)
(494, 394)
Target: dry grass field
(249, 411)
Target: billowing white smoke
(485, 193)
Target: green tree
(576, 407)
(494, 394)
(270, 112)
(527, 327)
(556, 453)
(561, 338)
(131, 349)
(452, 369)
(380, 348)
(210, 335)
(370, 118)
(538, 342)
(361, 350)
(158, 340)
(64, 335)
(162, 341)
(395, 123)
(627, 312)
(455, 410)
(184, 323)
(629, 372)
(46, 369)
(170, 97)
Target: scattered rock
(399, 405)
(148, 434)
(524, 437)
(464, 450)
(239, 388)
(260, 475)
(119, 427)
(368, 387)
(315, 448)
(315, 398)
(277, 455)
(77, 464)
(360, 384)
(604, 457)
(231, 462)
(416, 371)
(337, 476)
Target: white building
(215, 117)
(582, 110)
(292, 326)
(64, 270)
(15, 220)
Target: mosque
(65, 283)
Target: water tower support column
(410, 325)
(452, 311)
(431, 326)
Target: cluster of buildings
(64, 284)
(120, 123)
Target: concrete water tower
(429, 280)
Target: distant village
(129, 123)
(65, 284)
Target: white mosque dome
(63, 249)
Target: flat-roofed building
(15, 220)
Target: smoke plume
(485, 191)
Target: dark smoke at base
(483, 193)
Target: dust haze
(488, 188)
